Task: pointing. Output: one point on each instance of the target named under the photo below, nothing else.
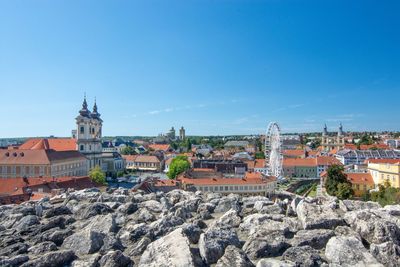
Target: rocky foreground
(179, 228)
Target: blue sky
(215, 67)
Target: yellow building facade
(382, 171)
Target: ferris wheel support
(273, 150)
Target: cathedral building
(88, 134)
(330, 143)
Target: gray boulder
(56, 211)
(227, 203)
(228, 220)
(274, 263)
(314, 238)
(373, 227)
(90, 210)
(304, 256)
(42, 248)
(26, 222)
(348, 251)
(115, 259)
(138, 248)
(314, 216)
(350, 205)
(213, 242)
(172, 250)
(52, 259)
(13, 261)
(84, 242)
(266, 243)
(234, 256)
(387, 253)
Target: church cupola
(84, 111)
(95, 114)
(325, 130)
(340, 133)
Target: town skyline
(216, 68)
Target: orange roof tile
(143, 158)
(259, 163)
(293, 152)
(160, 147)
(57, 144)
(360, 178)
(309, 162)
(324, 160)
(223, 181)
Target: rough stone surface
(213, 242)
(89, 228)
(234, 256)
(172, 250)
(348, 251)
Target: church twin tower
(88, 134)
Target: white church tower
(88, 134)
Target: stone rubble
(122, 228)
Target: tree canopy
(128, 150)
(336, 183)
(178, 165)
(97, 175)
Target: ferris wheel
(273, 150)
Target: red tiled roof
(309, 162)
(57, 144)
(17, 186)
(366, 147)
(324, 160)
(360, 178)
(293, 152)
(143, 158)
(223, 181)
(259, 163)
(129, 157)
(35, 157)
(165, 182)
(160, 147)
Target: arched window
(81, 148)
(82, 130)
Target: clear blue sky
(215, 67)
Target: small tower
(325, 133)
(340, 132)
(182, 135)
(88, 134)
(172, 133)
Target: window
(82, 130)
(221, 188)
(226, 188)
(81, 148)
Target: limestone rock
(234, 256)
(348, 251)
(213, 242)
(172, 250)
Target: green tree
(120, 173)
(128, 150)
(97, 175)
(386, 194)
(260, 155)
(335, 176)
(344, 191)
(178, 165)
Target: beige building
(385, 170)
(41, 162)
(143, 163)
(250, 185)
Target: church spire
(325, 130)
(95, 113)
(84, 111)
(340, 129)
